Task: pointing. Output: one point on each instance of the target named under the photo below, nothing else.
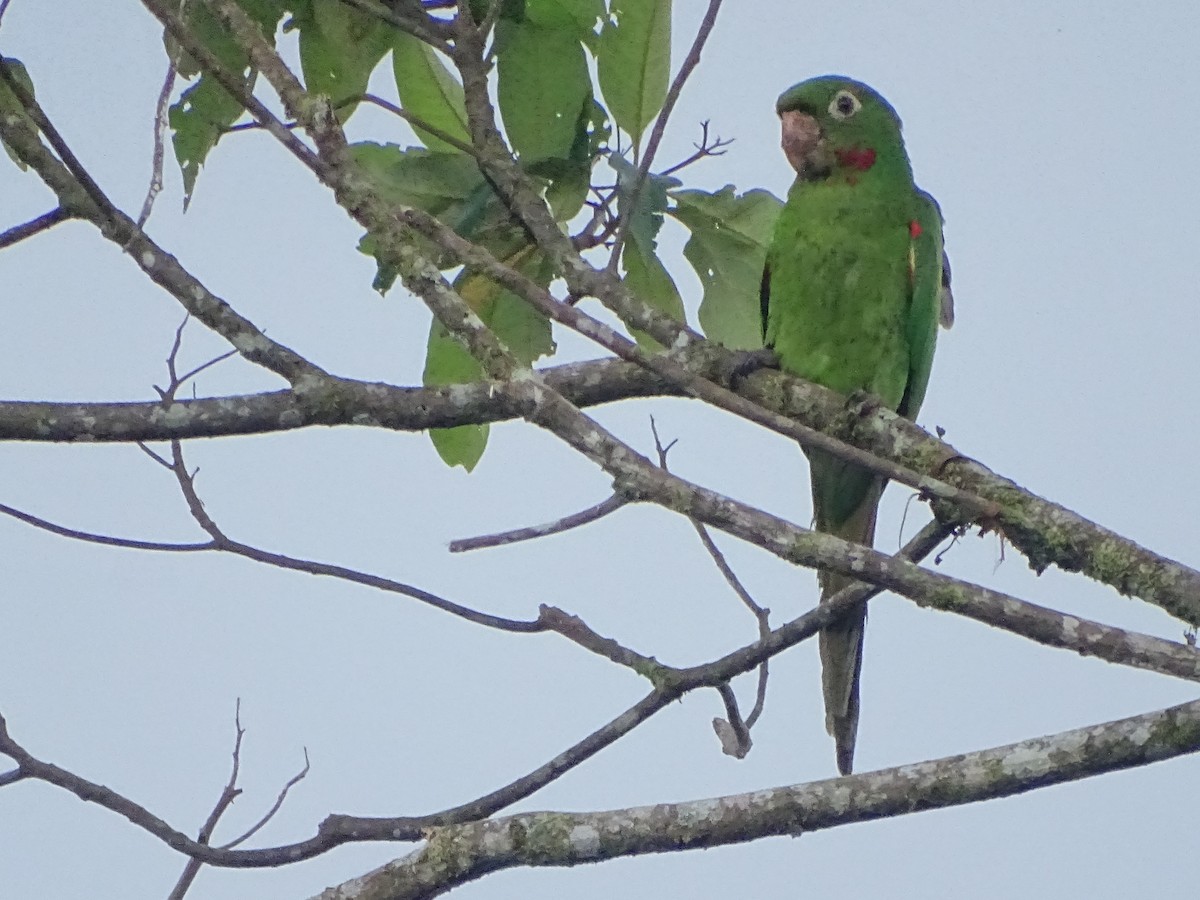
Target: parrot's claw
(745, 363)
(863, 404)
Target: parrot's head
(835, 123)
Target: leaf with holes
(205, 110)
(728, 248)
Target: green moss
(548, 838)
(1173, 734)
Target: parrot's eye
(843, 105)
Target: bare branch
(228, 794)
(44, 222)
(418, 122)
(275, 807)
(161, 110)
(106, 540)
(704, 149)
(566, 523)
(575, 629)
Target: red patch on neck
(914, 229)
(859, 158)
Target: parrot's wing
(764, 297)
(946, 317)
(930, 303)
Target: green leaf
(443, 184)
(439, 183)
(646, 214)
(446, 185)
(428, 91)
(521, 328)
(650, 282)
(198, 119)
(543, 85)
(339, 49)
(582, 16)
(205, 111)
(448, 362)
(728, 248)
(9, 104)
(633, 62)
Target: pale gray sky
(1059, 138)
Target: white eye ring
(844, 104)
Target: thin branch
(566, 523)
(418, 122)
(660, 125)
(222, 542)
(229, 793)
(161, 111)
(429, 29)
(68, 159)
(275, 807)
(106, 540)
(703, 150)
(575, 629)
(734, 733)
(44, 222)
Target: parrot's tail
(845, 501)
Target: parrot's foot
(744, 363)
(863, 404)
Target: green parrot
(856, 282)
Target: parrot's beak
(803, 144)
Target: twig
(418, 122)
(430, 30)
(161, 111)
(575, 629)
(275, 807)
(106, 540)
(44, 222)
(228, 794)
(660, 125)
(566, 523)
(733, 733)
(703, 150)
